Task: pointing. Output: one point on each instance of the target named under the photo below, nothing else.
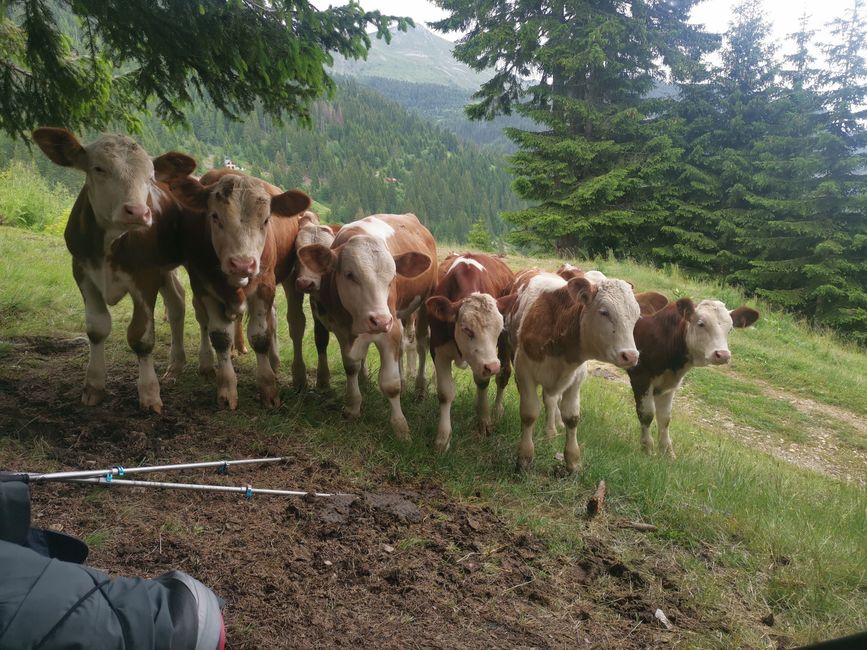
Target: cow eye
(700, 323)
(349, 276)
(604, 312)
(469, 333)
(267, 219)
(99, 170)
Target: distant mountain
(417, 55)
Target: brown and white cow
(648, 301)
(378, 271)
(235, 255)
(555, 328)
(681, 336)
(307, 281)
(124, 197)
(466, 328)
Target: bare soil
(396, 565)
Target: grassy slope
(743, 532)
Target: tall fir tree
(595, 166)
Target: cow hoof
(92, 396)
(270, 397)
(668, 452)
(227, 400)
(550, 434)
(485, 427)
(441, 445)
(299, 384)
(154, 406)
(323, 384)
(206, 371)
(499, 411)
(401, 429)
(175, 370)
(351, 414)
(524, 463)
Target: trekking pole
(221, 465)
(247, 490)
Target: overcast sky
(715, 14)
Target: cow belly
(554, 374)
(666, 382)
(112, 284)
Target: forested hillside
(365, 154)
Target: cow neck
(661, 342)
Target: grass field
(763, 513)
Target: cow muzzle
(489, 369)
(305, 285)
(379, 323)
(720, 357)
(627, 359)
(136, 215)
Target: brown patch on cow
(650, 302)
(551, 326)
(661, 342)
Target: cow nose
(722, 356)
(242, 265)
(628, 358)
(380, 322)
(137, 212)
(492, 368)
(305, 284)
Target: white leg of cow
(483, 412)
(504, 375)
(422, 342)
(409, 355)
(174, 300)
(140, 336)
(530, 408)
(446, 395)
(261, 336)
(570, 406)
(221, 331)
(558, 415)
(663, 419)
(389, 378)
(274, 351)
(98, 323)
(552, 410)
(297, 324)
(646, 408)
(206, 352)
(352, 356)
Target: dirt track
(397, 566)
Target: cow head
(119, 174)
(478, 324)
(238, 210)
(707, 329)
(364, 270)
(609, 316)
(306, 279)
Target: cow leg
(206, 352)
(389, 378)
(274, 351)
(239, 344)
(571, 409)
(352, 356)
(98, 324)
(504, 374)
(422, 342)
(174, 300)
(446, 395)
(140, 336)
(320, 336)
(552, 410)
(409, 367)
(220, 332)
(483, 413)
(261, 335)
(663, 419)
(558, 414)
(530, 408)
(646, 409)
(297, 323)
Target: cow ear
(582, 290)
(308, 217)
(411, 264)
(506, 303)
(318, 258)
(744, 316)
(289, 203)
(335, 227)
(61, 147)
(442, 308)
(686, 308)
(173, 165)
(190, 193)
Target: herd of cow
(373, 281)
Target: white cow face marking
(707, 333)
(478, 324)
(119, 175)
(610, 314)
(308, 280)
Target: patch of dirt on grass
(393, 565)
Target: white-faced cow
(377, 272)
(307, 281)
(235, 254)
(555, 328)
(466, 328)
(671, 341)
(648, 301)
(123, 198)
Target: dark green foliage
(90, 63)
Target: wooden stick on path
(594, 505)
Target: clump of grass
(27, 200)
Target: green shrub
(27, 200)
